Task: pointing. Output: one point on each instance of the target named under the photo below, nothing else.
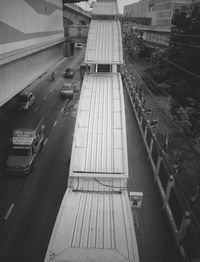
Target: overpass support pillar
(68, 49)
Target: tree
(184, 49)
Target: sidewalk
(153, 232)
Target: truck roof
(99, 146)
(93, 227)
(105, 42)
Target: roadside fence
(184, 224)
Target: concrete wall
(28, 22)
(15, 76)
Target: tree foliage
(184, 51)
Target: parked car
(67, 90)
(78, 46)
(25, 101)
(69, 72)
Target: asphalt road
(29, 204)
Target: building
(138, 9)
(160, 12)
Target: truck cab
(26, 143)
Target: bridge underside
(18, 74)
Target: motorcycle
(52, 76)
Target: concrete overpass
(73, 14)
(33, 39)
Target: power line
(187, 71)
(174, 42)
(184, 35)
(179, 43)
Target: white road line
(44, 98)
(9, 211)
(62, 109)
(36, 109)
(45, 141)
(54, 124)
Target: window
(104, 68)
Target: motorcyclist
(52, 76)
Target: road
(29, 204)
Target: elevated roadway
(33, 38)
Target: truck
(27, 141)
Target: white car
(67, 90)
(78, 46)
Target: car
(25, 100)
(78, 46)
(67, 90)
(69, 72)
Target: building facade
(161, 11)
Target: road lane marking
(54, 124)
(36, 109)
(9, 211)
(62, 109)
(45, 141)
(44, 98)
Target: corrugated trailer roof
(99, 145)
(93, 227)
(105, 8)
(104, 44)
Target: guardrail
(184, 224)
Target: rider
(52, 75)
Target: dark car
(69, 72)
(25, 101)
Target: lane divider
(9, 211)
(36, 109)
(55, 123)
